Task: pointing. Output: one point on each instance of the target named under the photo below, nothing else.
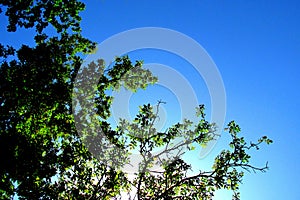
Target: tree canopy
(44, 156)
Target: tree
(43, 155)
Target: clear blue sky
(256, 47)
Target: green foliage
(61, 14)
(173, 181)
(44, 156)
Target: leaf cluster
(174, 179)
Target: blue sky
(256, 47)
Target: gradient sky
(256, 47)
